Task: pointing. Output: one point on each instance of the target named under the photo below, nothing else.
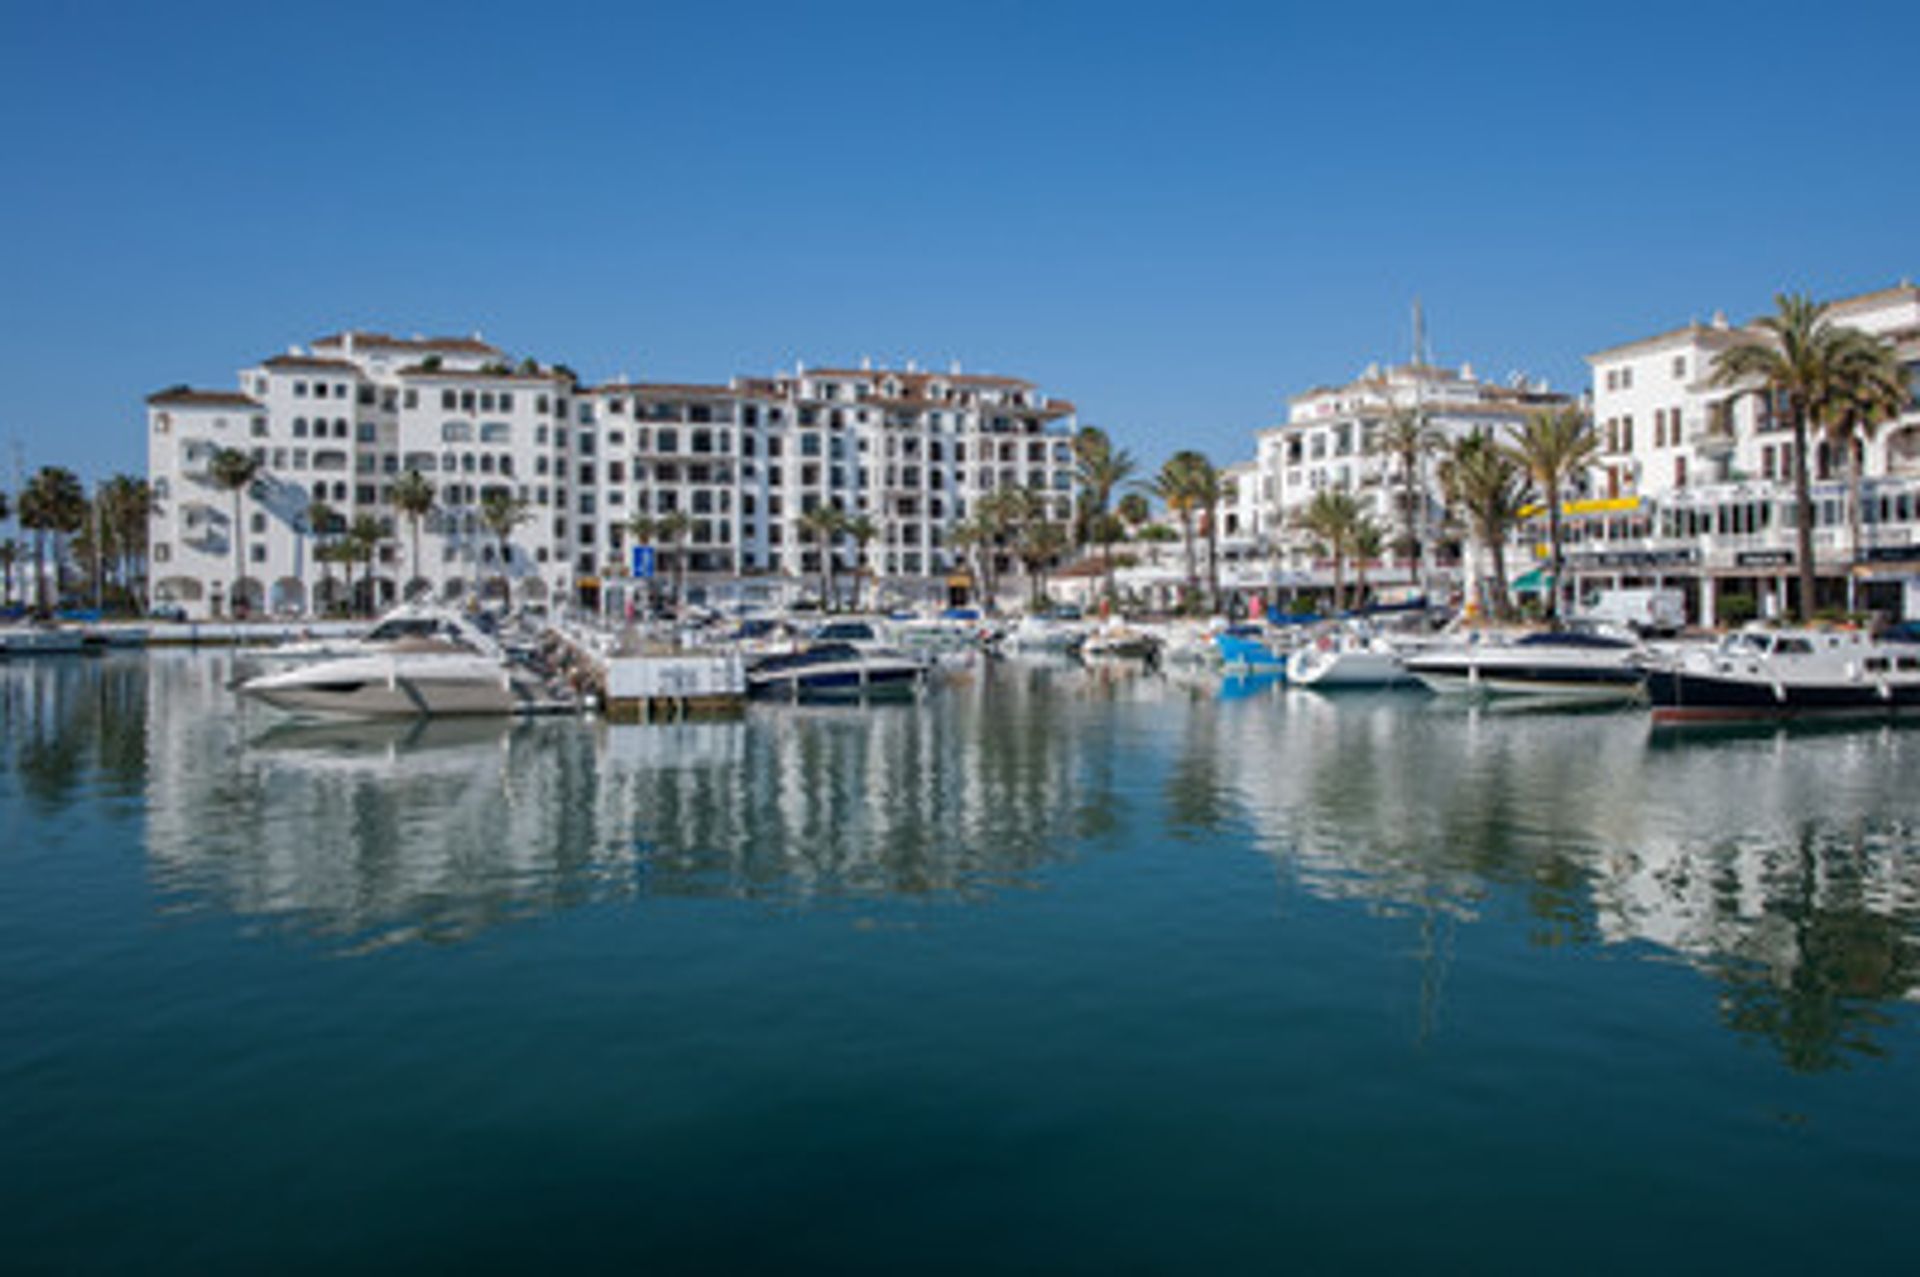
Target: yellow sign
(1595, 505)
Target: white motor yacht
(1562, 665)
(837, 670)
(409, 678)
(1350, 658)
(409, 622)
(1787, 673)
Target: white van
(1661, 612)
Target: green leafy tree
(233, 472)
(1868, 391)
(1407, 438)
(414, 497)
(1100, 470)
(823, 525)
(1488, 486)
(500, 513)
(52, 505)
(1333, 518)
(863, 531)
(1184, 488)
(1555, 446)
(1796, 359)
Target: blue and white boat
(1249, 649)
(836, 671)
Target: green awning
(1538, 581)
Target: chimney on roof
(799, 367)
(1720, 320)
(295, 350)
(913, 365)
(346, 342)
(866, 363)
(1466, 372)
(953, 369)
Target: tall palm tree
(413, 496)
(1333, 519)
(1100, 470)
(973, 538)
(500, 513)
(1554, 446)
(1409, 441)
(670, 529)
(52, 504)
(863, 531)
(126, 507)
(233, 472)
(1178, 486)
(1369, 542)
(1489, 487)
(362, 542)
(1039, 542)
(823, 525)
(1211, 487)
(318, 522)
(1134, 510)
(1869, 390)
(1795, 359)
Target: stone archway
(289, 594)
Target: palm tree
(1178, 485)
(863, 531)
(234, 471)
(1795, 359)
(973, 537)
(319, 522)
(1100, 470)
(824, 524)
(413, 496)
(126, 508)
(362, 542)
(500, 513)
(1407, 438)
(1212, 486)
(9, 556)
(1333, 519)
(1488, 486)
(1869, 391)
(1554, 446)
(1369, 542)
(1040, 542)
(1134, 510)
(53, 503)
(671, 529)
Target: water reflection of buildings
(389, 832)
(1783, 864)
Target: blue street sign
(643, 562)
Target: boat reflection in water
(1784, 866)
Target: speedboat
(409, 622)
(1568, 665)
(842, 669)
(1045, 636)
(1115, 641)
(1788, 673)
(412, 678)
(1353, 658)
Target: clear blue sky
(1174, 214)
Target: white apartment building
(1696, 482)
(1330, 440)
(908, 450)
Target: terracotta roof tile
(188, 397)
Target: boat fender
(1780, 693)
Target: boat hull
(372, 688)
(1686, 696)
(1584, 684)
(1329, 671)
(837, 684)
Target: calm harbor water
(1058, 970)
